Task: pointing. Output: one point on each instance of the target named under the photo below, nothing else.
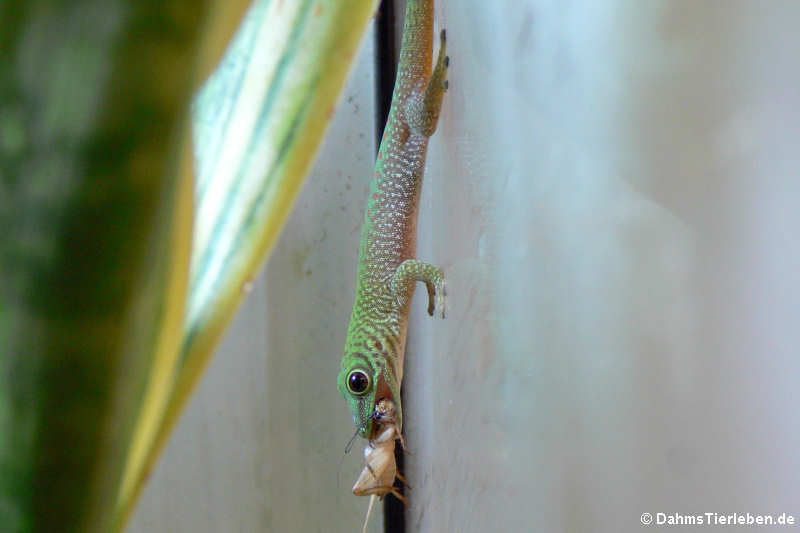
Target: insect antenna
(350, 442)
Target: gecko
(372, 364)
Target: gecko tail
(372, 499)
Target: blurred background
(613, 193)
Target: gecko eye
(357, 382)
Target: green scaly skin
(387, 269)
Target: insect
(380, 467)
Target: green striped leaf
(259, 120)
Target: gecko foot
(441, 297)
(437, 294)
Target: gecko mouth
(382, 392)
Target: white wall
(613, 192)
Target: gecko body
(372, 365)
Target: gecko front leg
(413, 270)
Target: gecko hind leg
(413, 270)
(422, 107)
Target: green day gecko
(372, 365)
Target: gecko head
(362, 384)
(357, 384)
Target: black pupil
(358, 382)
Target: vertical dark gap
(394, 512)
(385, 65)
